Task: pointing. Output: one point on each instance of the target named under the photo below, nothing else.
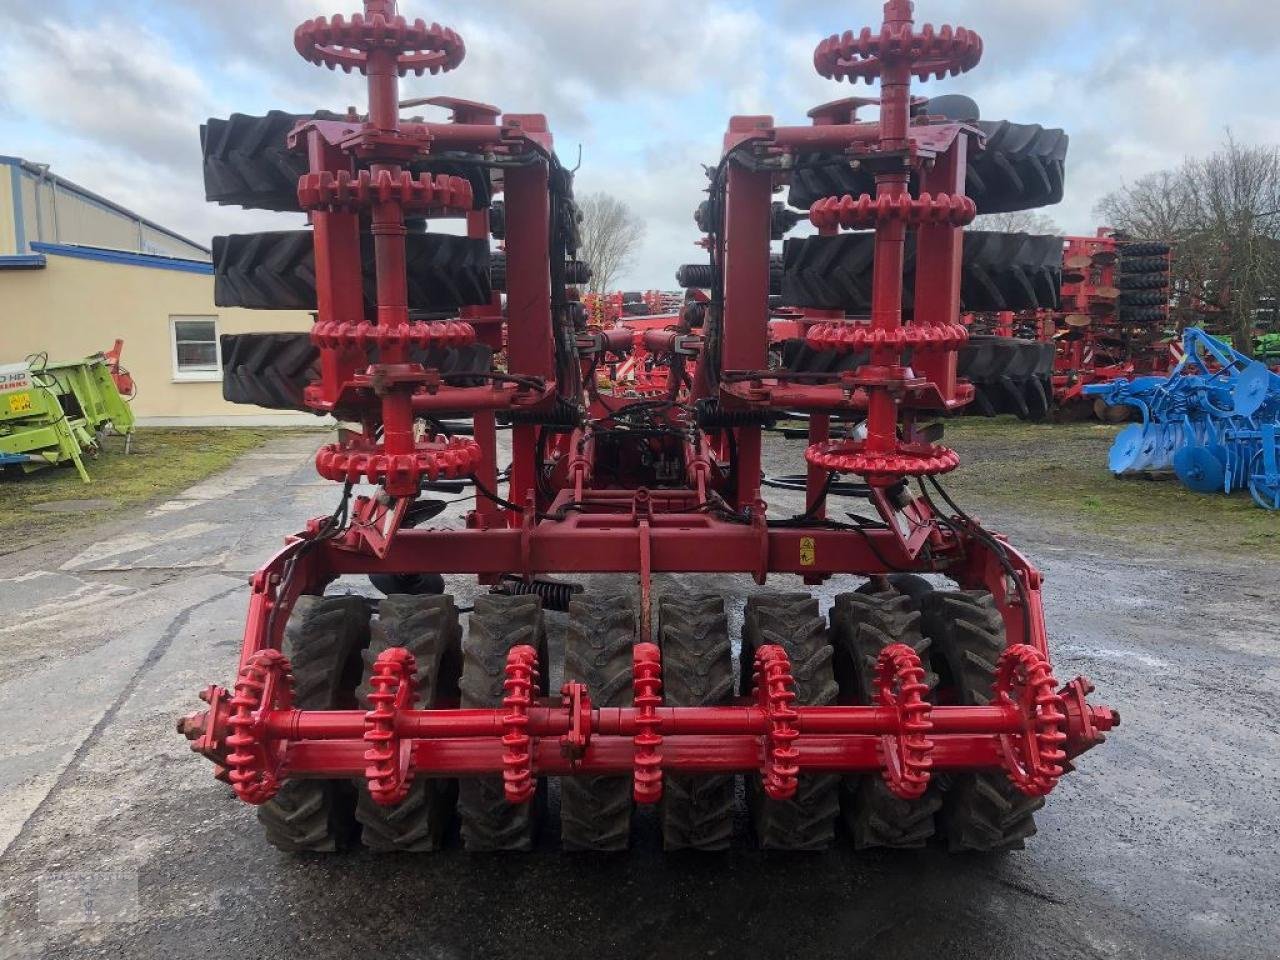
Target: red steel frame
(257, 738)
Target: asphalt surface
(117, 842)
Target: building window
(195, 348)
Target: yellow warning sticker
(808, 552)
(20, 403)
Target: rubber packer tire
(862, 626)
(1010, 376)
(428, 627)
(1145, 249)
(269, 370)
(701, 276)
(247, 162)
(489, 823)
(1143, 281)
(1000, 272)
(697, 671)
(576, 272)
(794, 622)
(981, 812)
(1022, 168)
(595, 811)
(277, 271)
(1134, 265)
(273, 370)
(322, 639)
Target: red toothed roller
(359, 336)
(1034, 759)
(867, 211)
(646, 671)
(345, 43)
(517, 757)
(900, 687)
(855, 337)
(389, 767)
(255, 763)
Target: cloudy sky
(111, 94)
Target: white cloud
(646, 87)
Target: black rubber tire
(862, 626)
(268, 370)
(428, 627)
(595, 811)
(498, 272)
(1134, 265)
(1145, 315)
(910, 585)
(1141, 299)
(1145, 249)
(1143, 281)
(794, 622)
(273, 370)
(1001, 271)
(408, 584)
(981, 812)
(1009, 376)
(498, 220)
(697, 276)
(498, 623)
(247, 162)
(1022, 168)
(276, 271)
(323, 640)
(577, 273)
(697, 671)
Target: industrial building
(78, 272)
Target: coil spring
(562, 414)
(712, 417)
(556, 595)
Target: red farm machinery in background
(913, 707)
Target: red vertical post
(746, 300)
(339, 271)
(939, 259)
(529, 335)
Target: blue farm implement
(1213, 421)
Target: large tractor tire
(862, 626)
(322, 640)
(428, 627)
(270, 370)
(1000, 271)
(1009, 376)
(595, 811)
(277, 271)
(489, 823)
(1022, 168)
(981, 812)
(700, 276)
(273, 370)
(247, 162)
(697, 671)
(794, 622)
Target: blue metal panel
(123, 257)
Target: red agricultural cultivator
(915, 709)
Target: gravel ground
(117, 843)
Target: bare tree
(1021, 221)
(1223, 213)
(611, 234)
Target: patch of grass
(163, 462)
(1057, 474)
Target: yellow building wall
(75, 308)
